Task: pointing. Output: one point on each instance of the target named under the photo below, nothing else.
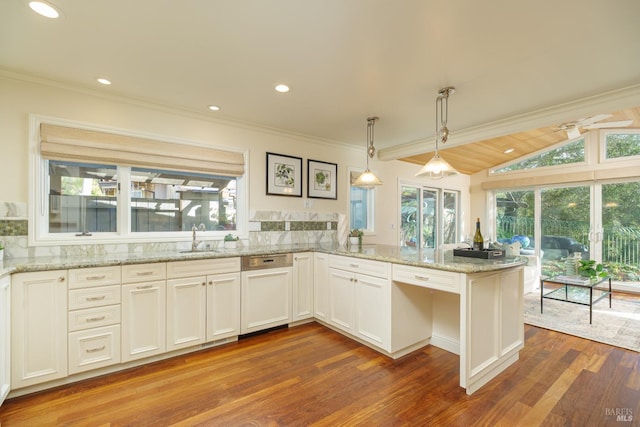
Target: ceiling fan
(593, 122)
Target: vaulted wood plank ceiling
(488, 153)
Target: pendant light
(367, 179)
(437, 167)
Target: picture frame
(284, 175)
(322, 180)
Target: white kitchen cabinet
(266, 299)
(39, 327)
(373, 310)
(341, 299)
(223, 306)
(186, 312)
(360, 298)
(203, 303)
(5, 337)
(94, 318)
(320, 285)
(302, 295)
(143, 311)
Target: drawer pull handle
(95, 319)
(144, 287)
(425, 278)
(95, 350)
(354, 265)
(144, 273)
(96, 277)
(101, 297)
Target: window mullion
(124, 200)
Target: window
(176, 201)
(572, 152)
(90, 202)
(361, 206)
(82, 198)
(622, 144)
(428, 216)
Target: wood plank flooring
(311, 375)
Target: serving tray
(484, 254)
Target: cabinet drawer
(199, 267)
(359, 265)
(428, 278)
(134, 273)
(94, 317)
(94, 348)
(96, 276)
(94, 297)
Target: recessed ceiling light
(104, 81)
(509, 150)
(44, 8)
(282, 88)
(214, 108)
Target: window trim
(38, 234)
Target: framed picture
(322, 180)
(284, 175)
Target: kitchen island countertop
(438, 260)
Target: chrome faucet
(194, 242)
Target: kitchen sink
(199, 251)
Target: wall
(23, 95)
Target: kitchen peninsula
(393, 299)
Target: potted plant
(355, 237)
(230, 241)
(589, 268)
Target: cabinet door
(5, 337)
(373, 310)
(39, 327)
(223, 306)
(266, 299)
(143, 320)
(302, 286)
(341, 299)
(186, 312)
(320, 285)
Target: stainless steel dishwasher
(265, 292)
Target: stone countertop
(438, 260)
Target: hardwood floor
(310, 375)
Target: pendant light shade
(437, 167)
(368, 179)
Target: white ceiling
(345, 60)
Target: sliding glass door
(600, 221)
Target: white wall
(21, 96)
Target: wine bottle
(478, 241)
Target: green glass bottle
(478, 241)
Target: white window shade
(71, 144)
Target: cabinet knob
(204, 283)
(60, 279)
(210, 282)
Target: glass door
(619, 235)
(565, 225)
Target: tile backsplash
(266, 228)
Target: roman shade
(81, 145)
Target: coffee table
(575, 293)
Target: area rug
(618, 326)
